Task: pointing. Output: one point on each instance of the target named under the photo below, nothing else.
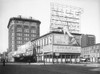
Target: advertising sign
(65, 15)
(66, 40)
(67, 49)
(61, 39)
(78, 39)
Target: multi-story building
(90, 40)
(91, 52)
(87, 40)
(22, 30)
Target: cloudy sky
(40, 9)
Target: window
(26, 27)
(20, 22)
(49, 40)
(12, 34)
(26, 23)
(43, 42)
(33, 27)
(19, 34)
(12, 28)
(26, 39)
(19, 38)
(26, 34)
(12, 22)
(15, 21)
(12, 42)
(36, 43)
(33, 35)
(12, 46)
(19, 29)
(12, 38)
(33, 31)
(33, 23)
(40, 42)
(19, 42)
(46, 41)
(26, 30)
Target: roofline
(41, 36)
(22, 19)
(53, 32)
(91, 45)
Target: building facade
(90, 40)
(91, 52)
(56, 47)
(22, 30)
(87, 40)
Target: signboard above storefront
(66, 49)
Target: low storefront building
(57, 47)
(92, 53)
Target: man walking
(3, 62)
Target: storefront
(62, 57)
(91, 52)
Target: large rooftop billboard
(64, 15)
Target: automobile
(85, 60)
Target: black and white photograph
(49, 36)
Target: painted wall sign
(67, 49)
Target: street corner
(93, 65)
(95, 69)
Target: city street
(26, 68)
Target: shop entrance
(63, 58)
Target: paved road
(15, 68)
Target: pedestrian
(29, 61)
(3, 62)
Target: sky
(40, 10)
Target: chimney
(19, 16)
(30, 17)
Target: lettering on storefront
(68, 49)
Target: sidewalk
(74, 64)
(20, 63)
(93, 65)
(86, 64)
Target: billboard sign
(62, 15)
(66, 40)
(61, 39)
(78, 39)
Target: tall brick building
(88, 40)
(22, 30)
